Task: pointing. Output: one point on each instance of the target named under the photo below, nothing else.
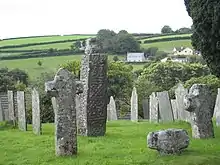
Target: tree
(184, 30)
(72, 66)
(166, 29)
(39, 63)
(206, 21)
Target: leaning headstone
(11, 111)
(145, 105)
(134, 105)
(111, 110)
(36, 121)
(174, 108)
(1, 111)
(180, 93)
(170, 141)
(217, 109)
(22, 124)
(154, 112)
(165, 108)
(200, 103)
(93, 75)
(64, 89)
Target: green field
(123, 144)
(168, 36)
(50, 64)
(40, 39)
(168, 45)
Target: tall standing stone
(145, 105)
(217, 109)
(165, 108)
(1, 111)
(36, 120)
(22, 123)
(200, 103)
(180, 93)
(63, 89)
(134, 105)
(154, 112)
(93, 75)
(111, 113)
(11, 110)
(174, 108)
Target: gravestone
(63, 90)
(217, 109)
(134, 105)
(200, 103)
(22, 123)
(1, 111)
(36, 120)
(145, 105)
(154, 112)
(4, 101)
(165, 108)
(111, 110)
(174, 108)
(11, 110)
(180, 93)
(93, 75)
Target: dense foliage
(206, 22)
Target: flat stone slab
(170, 141)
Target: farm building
(135, 57)
(182, 51)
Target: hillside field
(123, 144)
(49, 64)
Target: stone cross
(200, 103)
(22, 123)
(112, 113)
(64, 88)
(180, 93)
(134, 105)
(93, 107)
(36, 120)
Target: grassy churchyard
(123, 144)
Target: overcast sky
(44, 17)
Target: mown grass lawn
(168, 36)
(123, 144)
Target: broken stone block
(170, 141)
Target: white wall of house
(186, 51)
(135, 57)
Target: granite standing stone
(145, 105)
(174, 108)
(154, 112)
(36, 120)
(134, 105)
(180, 93)
(64, 88)
(111, 110)
(22, 123)
(165, 108)
(217, 109)
(11, 110)
(1, 111)
(93, 75)
(200, 103)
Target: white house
(178, 59)
(135, 57)
(182, 51)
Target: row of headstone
(17, 116)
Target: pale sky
(44, 17)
